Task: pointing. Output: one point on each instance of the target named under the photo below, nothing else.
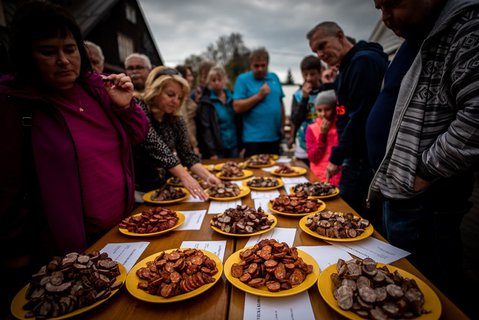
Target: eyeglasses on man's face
(137, 67)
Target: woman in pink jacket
(322, 136)
(66, 133)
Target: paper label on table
(264, 194)
(284, 308)
(270, 169)
(279, 234)
(216, 247)
(193, 199)
(283, 159)
(193, 220)
(125, 253)
(325, 255)
(377, 250)
(294, 180)
(221, 206)
(263, 203)
(239, 183)
(288, 186)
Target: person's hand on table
(213, 180)
(193, 187)
(331, 171)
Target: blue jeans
(428, 227)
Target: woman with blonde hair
(166, 150)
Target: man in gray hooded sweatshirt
(426, 175)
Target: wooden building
(119, 27)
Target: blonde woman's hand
(193, 187)
(120, 89)
(213, 180)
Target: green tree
(228, 51)
(289, 77)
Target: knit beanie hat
(326, 97)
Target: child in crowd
(322, 135)
(303, 112)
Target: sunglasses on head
(167, 72)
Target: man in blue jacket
(361, 71)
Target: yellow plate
(280, 184)
(270, 216)
(19, 301)
(181, 220)
(171, 182)
(246, 174)
(132, 280)
(270, 163)
(431, 301)
(299, 171)
(274, 156)
(147, 197)
(302, 224)
(209, 167)
(322, 206)
(336, 192)
(244, 191)
(218, 166)
(263, 291)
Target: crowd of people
(399, 138)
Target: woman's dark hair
(182, 68)
(39, 20)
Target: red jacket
(58, 208)
(319, 147)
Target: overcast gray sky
(185, 27)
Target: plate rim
(270, 216)
(336, 193)
(324, 283)
(281, 183)
(301, 172)
(20, 298)
(246, 174)
(366, 234)
(247, 191)
(147, 197)
(185, 296)
(265, 293)
(181, 220)
(321, 208)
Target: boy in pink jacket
(322, 136)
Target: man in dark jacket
(361, 71)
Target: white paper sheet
(377, 250)
(193, 199)
(270, 169)
(264, 194)
(283, 159)
(288, 186)
(193, 220)
(216, 247)
(286, 308)
(263, 203)
(294, 180)
(325, 255)
(125, 253)
(279, 234)
(221, 206)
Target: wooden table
(223, 301)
